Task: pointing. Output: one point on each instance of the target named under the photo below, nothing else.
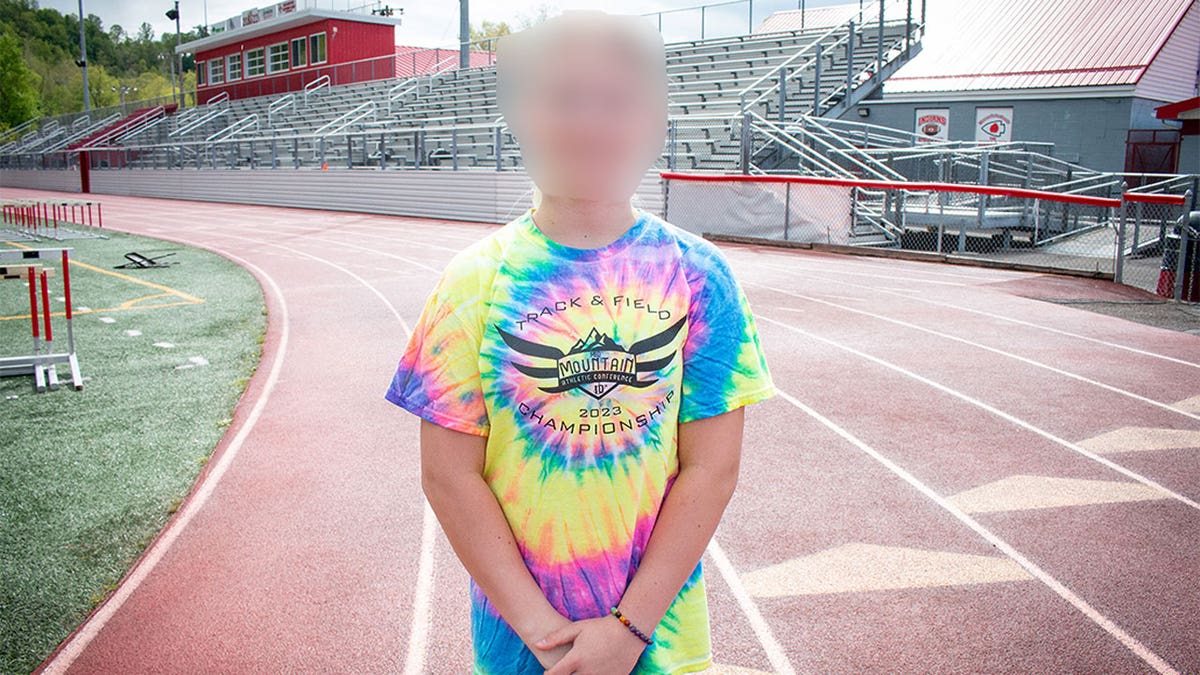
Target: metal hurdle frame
(42, 363)
(50, 219)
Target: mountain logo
(595, 364)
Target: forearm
(481, 537)
(686, 522)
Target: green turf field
(87, 478)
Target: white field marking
(347, 231)
(1058, 371)
(198, 360)
(164, 345)
(377, 252)
(107, 319)
(81, 309)
(133, 333)
(993, 410)
(75, 645)
(418, 638)
(910, 294)
(774, 651)
(418, 642)
(1131, 643)
(874, 275)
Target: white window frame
(262, 62)
(216, 70)
(292, 52)
(202, 73)
(312, 60)
(229, 74)
(287, 59)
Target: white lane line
(418, 637)
(75, 645)
(1038, 364)
(991, 409)
(774, 651)
(909, 294)
(1130, 642)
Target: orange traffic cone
(324, 166)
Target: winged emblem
(595, 364)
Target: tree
(540, 13)
(19, 86)
(489, 29)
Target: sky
(434, 23)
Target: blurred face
(590, 123)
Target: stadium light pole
(82, 62)
(464, 34)
(175, 58)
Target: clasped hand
(599, 646)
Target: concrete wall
(1088, 131)
(62, 181)
(484, 196)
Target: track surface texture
(955, 477)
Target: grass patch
(87, 478)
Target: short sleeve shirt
(578, 365)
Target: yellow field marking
(128, 305)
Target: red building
(280, 48)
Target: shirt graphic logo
(595, 364)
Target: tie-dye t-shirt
(577, 365)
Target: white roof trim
(1099, 91)
(290, 20)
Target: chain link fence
(1138, 239)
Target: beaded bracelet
(634, 629)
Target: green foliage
(47, 45)
(18, 84)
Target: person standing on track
(581, 375)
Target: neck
(584, 223)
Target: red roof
(1026, 44)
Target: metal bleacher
(450, 119)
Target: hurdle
(56, 219)
(42, 363)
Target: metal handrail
(399, 91)
(876, 169)
(222, 97)
(346, 119)
(235, 128)
(154, 114)
(87, 131)
(774, 72)
(277, 105)
(321, 82)
(198, 122)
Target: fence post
(850, 60)
(671, 131)
(1181, 258)
(1137, 226)
(499, 149)
(879, 47)
(817, 83)
(745, 149)
(349, 151)
(783, 94)
(787, 208)
(1119, 263)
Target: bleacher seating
(707, 80)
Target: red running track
(955, 477)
